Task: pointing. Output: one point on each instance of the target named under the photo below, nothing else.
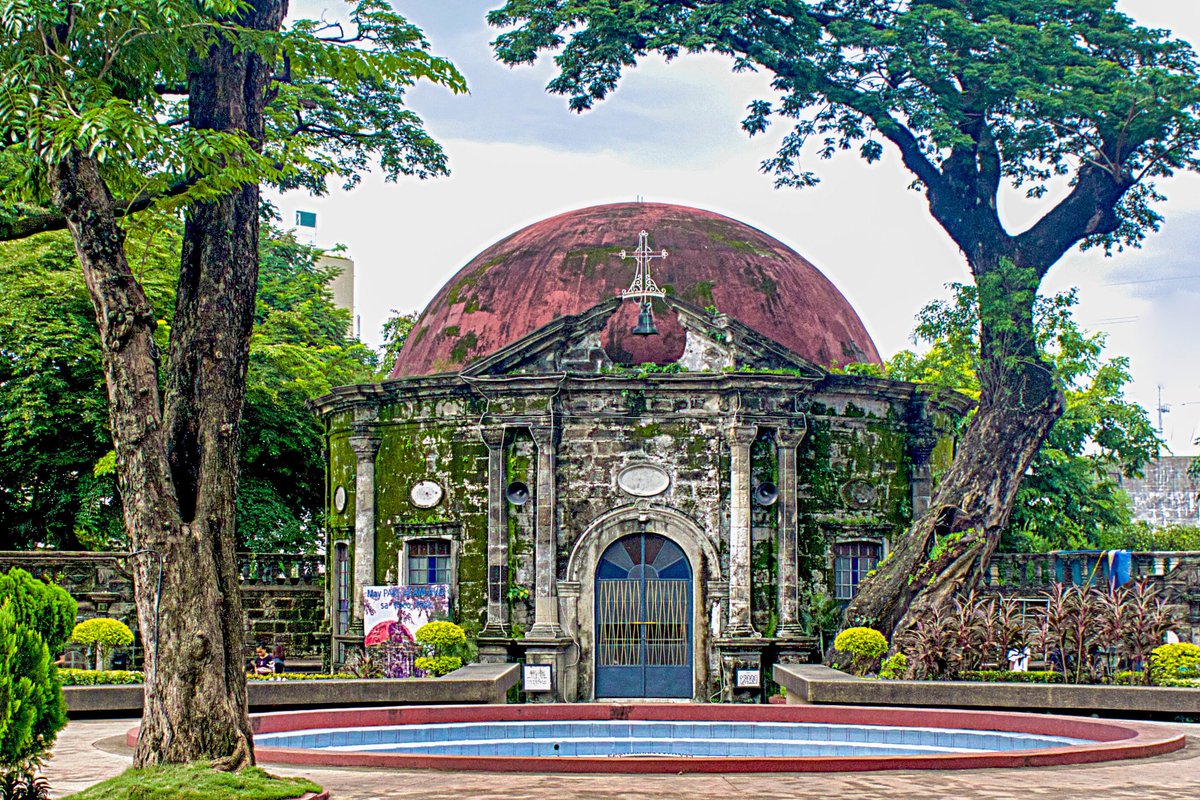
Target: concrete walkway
(92, 750)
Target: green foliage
(106, 84)
(196, 782)
(442, 637)
(1069, 499)
(99, 677)
(821, 616)
(866, 647)
(44, 607)
(1142, 536)
(102, 634)
(973, 94)
(396, 331)
(894, 667)
(1175, 662)
(102, 631)
(57, 470)
(1006, 676)
(300, 676)
(32, 709)
(24, 785)
(437, 666)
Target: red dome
(567, 264)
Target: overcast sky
(671, 134)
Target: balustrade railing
(281, 569)
(1013, 572)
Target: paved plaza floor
(92, 750)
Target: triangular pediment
(714, 343)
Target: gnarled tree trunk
(947, 549)
(177, 452)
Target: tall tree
(107, 108)
(1066, 99)
(1069, 498)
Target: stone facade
(749, 458)
(283, 596)
(1168, 494)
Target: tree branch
(44, 222)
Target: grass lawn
(196, 782)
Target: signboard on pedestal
(748, 679)
(538, 678)
(392, 615)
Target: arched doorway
(643, 595)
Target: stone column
(740, 439)
(545, 600)
(497, 541)
(365, 444)
(787, 578)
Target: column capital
(492, 435)
(542, 435)
(742, 434)
(365, 444)
(793, 434)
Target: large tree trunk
(177, 455)
(947, 549)
(194, 709)
(205, 390)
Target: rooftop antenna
(1162, 409)
(643, 287)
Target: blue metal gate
(643, 619)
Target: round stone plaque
(643, 480)
(339, 499)
(426, 494)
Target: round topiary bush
(103, 634)
(438, 666)
(1175, 662)
(865, 646)
(444, 638)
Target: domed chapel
(621, 437)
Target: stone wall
(283, 595)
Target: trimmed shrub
(438, 666)
(894, 667)
(44, 607)
(1007, 676)
(32, 709)
(98, 677)
(443, 637)
(103, 634)
(1175, 662)
(865, 645)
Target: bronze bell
(645, 323)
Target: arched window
(851, 563)
(429, 562)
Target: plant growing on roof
(103, 634)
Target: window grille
(428, 562)
(852, 562)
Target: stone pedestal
(741, 653)
(493, 649)
(560, 655)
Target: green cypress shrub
(32, 708)
(44, 607)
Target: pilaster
(787, 440)
(545, 601)
(741, 437)
(365, 444)
(497, 533)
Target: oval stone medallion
(643, 480)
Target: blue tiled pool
(722, 739)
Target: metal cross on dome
(643, 286)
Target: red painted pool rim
(1111, 740)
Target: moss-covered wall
(521, 465)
